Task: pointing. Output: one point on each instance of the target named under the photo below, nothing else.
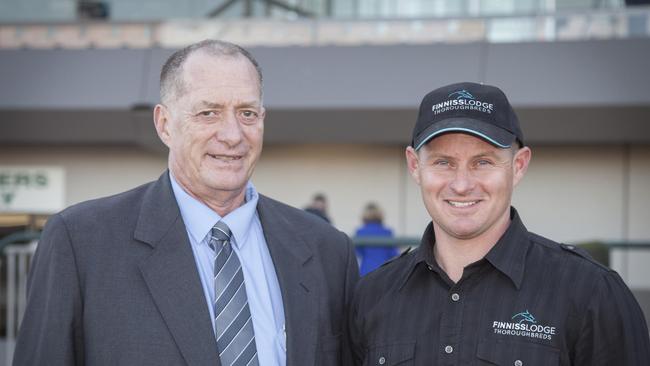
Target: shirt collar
(507, 255)
(199, 218)
(240, 220)
(423, 254)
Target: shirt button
(382, 360)
(519, 363)
(449, 349)
(430, 268)
(455, 297)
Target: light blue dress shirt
(262, 287)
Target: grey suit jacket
(114, 282)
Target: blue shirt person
(371, 257)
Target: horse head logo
(526, 316)
(461, 94)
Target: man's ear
(161, 119)
(520, 163)
(413, 164)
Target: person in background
(371, 257)
(318, 207)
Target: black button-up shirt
(530, 301)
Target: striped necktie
(233, 323)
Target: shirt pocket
(517, 353)
(402, 354)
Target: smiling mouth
(462, 204)
(225, 157)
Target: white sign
(31, 189)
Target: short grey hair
(171, 79)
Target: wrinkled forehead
(204, 70)
(203, 64)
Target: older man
(196, 268)
(480, 289)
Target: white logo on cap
(462, 100)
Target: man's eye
(483, 162)
(441, 163)
(207, 113)
(248, 116)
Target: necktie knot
(221, 232)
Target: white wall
(570, 194)
(574, 193)
(348, 175)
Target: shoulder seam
(575, 250)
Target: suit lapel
(292, 259)
(171, 275)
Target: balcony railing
(156, 10)
(568, 26)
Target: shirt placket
(450, 327)
(450, 320)
(451, 323)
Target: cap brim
(486, 131)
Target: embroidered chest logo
(526, 316)
(524, 324)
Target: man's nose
(463, 182)
(230, 132)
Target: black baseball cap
(477, 109)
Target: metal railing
(19, 257)
(602, 24)
(119, 10)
